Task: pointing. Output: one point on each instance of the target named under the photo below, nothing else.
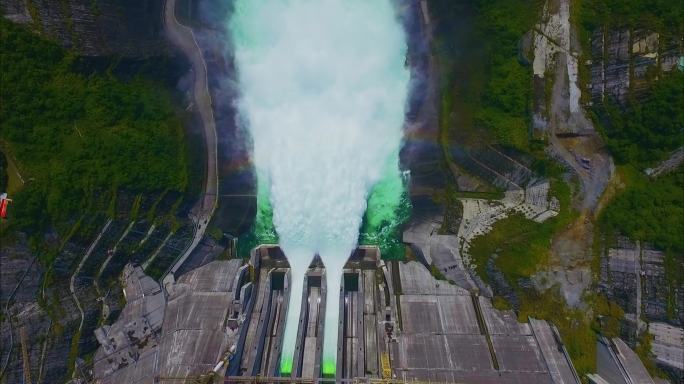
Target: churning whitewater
(323, 85)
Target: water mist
(323, 86)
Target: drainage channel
(309, 345)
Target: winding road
(183, 38)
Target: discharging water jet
(323, 86)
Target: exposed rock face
(45, 307)
(421, 154)
(628, 60)
(635, 278)
(18, 265)
(127, 28)
(48, 342)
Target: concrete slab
(420, 315)
(518, 353)
(501, 322)
(668, 344)
(457, 315)
(469, 353)
(416, 279)
(193, 338)
(557, 362)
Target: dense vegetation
(658, 14)
(77, 137)
(651, 211)
(641, 133)
(486, 94)
(4, 178)
(504, 105)
(645, 131)
(486, 87)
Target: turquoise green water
(263, 231)
(388, 209)
(285, 365)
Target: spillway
(307, 355)
(323, 89)
(397, 323)
(266, 317)
(360, 312)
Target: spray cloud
(323, 88)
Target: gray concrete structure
(396, 322)
(189, 334)
(195, 334)
(265, 324)
(362, 313)
(668, 345)
(129, 347)
(448, 334)
(617, 364)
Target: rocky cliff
(126, 28)
(624, 60)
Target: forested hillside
(76, 137)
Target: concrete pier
(361, 305)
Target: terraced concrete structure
(448, 334)
(226, 320)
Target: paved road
(184, 39)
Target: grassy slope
(522, 245)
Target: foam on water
(323, 87)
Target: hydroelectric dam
(224, 322)
(322, 88)
(396, 322)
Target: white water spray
(323, 88)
